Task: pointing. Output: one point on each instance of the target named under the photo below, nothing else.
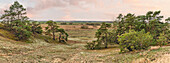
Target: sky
(87, 10)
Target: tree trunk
(66, 38)
(59, 38)
(53, 35)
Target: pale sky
(91, 10)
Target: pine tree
(16, 12)
(52, 28)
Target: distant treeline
(79, 21)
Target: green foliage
(149, 26)
(103, 35)
(151, 22)
(15, 12)
(63, 36)
(162, 40)
(22, 31)
(16, 22)
(36, 28)
(93, 45)
(52, 28)
(134, 40)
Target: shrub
(104, 37)
(22, 33)
(93, 45)
(39, 30)
(63, 23)
(36, 27)
(70, 23)
(84, 27)
(134, 40)
(162, 39)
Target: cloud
(88, 9)
(66, 6)
(5, 7)
(46, 4)
(142, 4)
(130, 1)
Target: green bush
(21, 33)
(39, 30)
(154, 42)
(18, 23)
(162, 40)
(93, 45)
(134, 40)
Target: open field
(41, 51)
(76, 33)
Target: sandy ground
(165, 58)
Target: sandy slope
(165, 58)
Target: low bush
(93, 45)
(63, 23)
(134, 40)
(162, 40)
(70, 23)
(84, 27)
(22, 33)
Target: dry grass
(7, 34)
(41, 51)
(76, 33)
